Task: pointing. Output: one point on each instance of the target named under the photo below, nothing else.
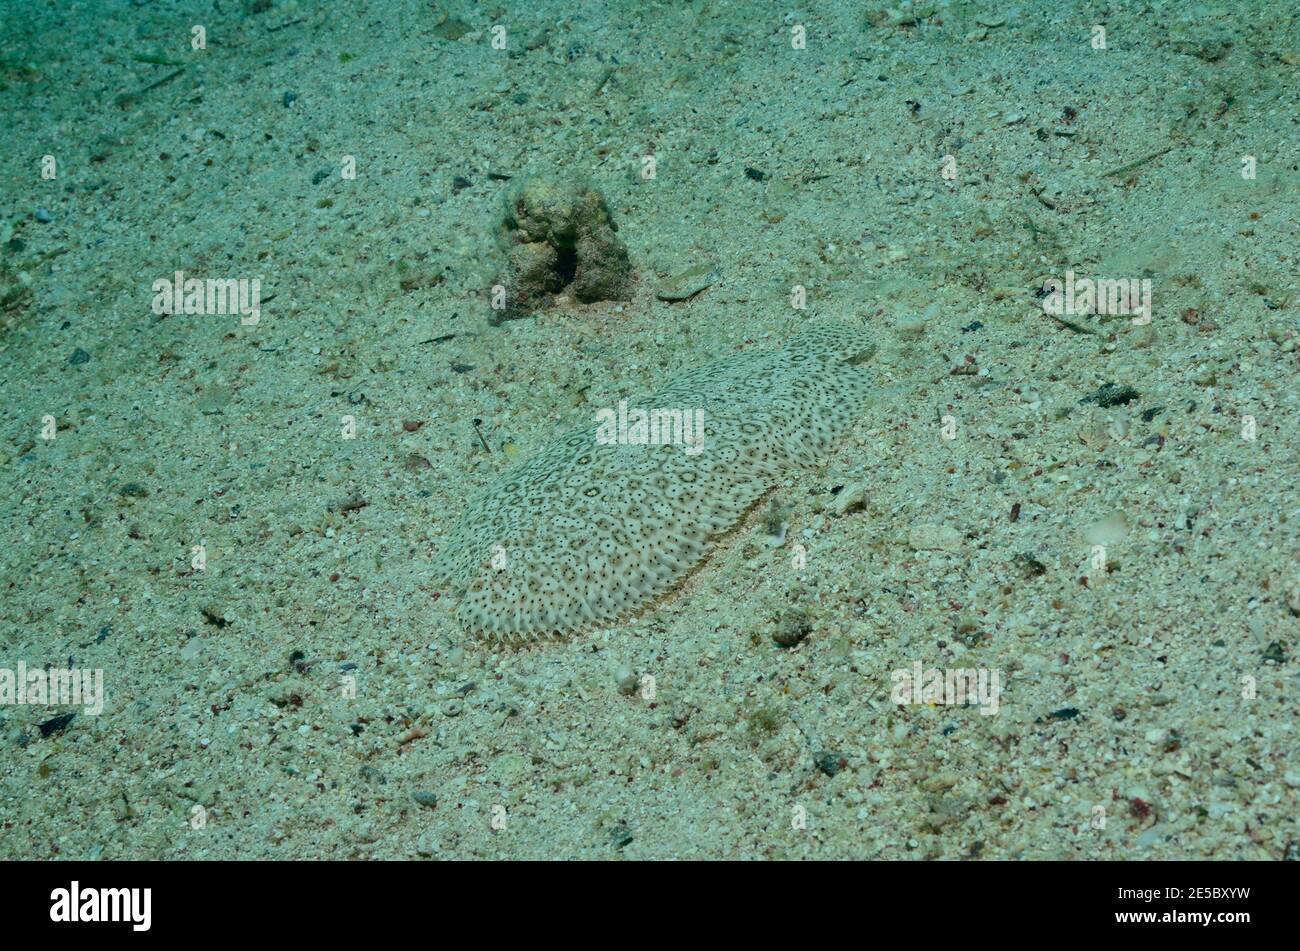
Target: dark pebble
(792, 627)
(56, 724)
(426, 799)
(831, 762)
(1111, 394)
(78, 357)
(213, 617)
(460, 182)
(1031, 566)
(320, 176)
(289, 97)
(755, 174)
(621, 836)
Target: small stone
(627, 681)
(792, 627)
(43, 216)
(214, 399)
(425, 798)
(850, 498)
(78, 357)
(1150, 837)
(1112, 394)
(1109, 531)
(688, 283)
(428, 844)
(910, 326)
(1292, 778)
(450, 28)
(830, 762)
(934, 538)
(288, 99)
(56, 724)
(1292, 594)
(509, 769)
(1219, 810)
(452, 708)
(940, 781)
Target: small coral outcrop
(558, 235)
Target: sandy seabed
(234, 520)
